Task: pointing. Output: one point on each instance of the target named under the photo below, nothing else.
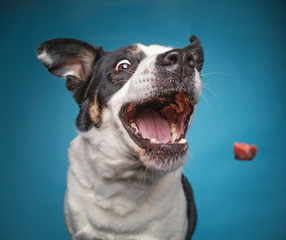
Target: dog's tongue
(153, 126)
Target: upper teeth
(175, 106)
(181, 105)
(186, 97)
(183, 140)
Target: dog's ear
(69, 58)
(197, 51)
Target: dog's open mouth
(159, 121)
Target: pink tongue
(152, 125)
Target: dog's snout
(177, 60)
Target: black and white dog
(125, 178)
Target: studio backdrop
(243, 100)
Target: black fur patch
(89, 71)
(71, 59)
(105, 81)
(191, 208)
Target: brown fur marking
(94, 112)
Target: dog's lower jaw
(105, 202)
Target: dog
(125, 179)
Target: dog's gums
(159, 121)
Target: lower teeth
(133, 125)
(183, 140)
(173, 131)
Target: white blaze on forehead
(139, 86)
(153, 49)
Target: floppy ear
(68, 58)
(197, 51)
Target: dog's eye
(122, 65)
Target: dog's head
(148, 92)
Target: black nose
(177, 60)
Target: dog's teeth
(133, 125)
(153, 140)
(181, 105)
(174, 136)
(173, 131)
(186, 97)
(183, 140)
(173, 128)
(173, 105)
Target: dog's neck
(112, 177)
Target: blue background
(243, 100)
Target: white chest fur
(104, 201)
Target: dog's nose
(177, 60)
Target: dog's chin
(163, 157)
(157, 127)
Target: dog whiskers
(140, 176)
(205, 100)
(128, 71)
(199, 65)
(211, 91)
(120, 81)
(184, 35)
(232, 77)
